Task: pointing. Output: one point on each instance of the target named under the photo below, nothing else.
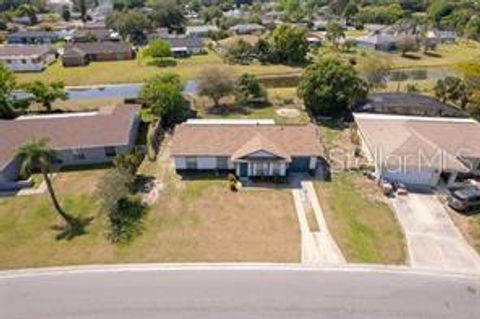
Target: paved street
(239, 293)
(433, 240)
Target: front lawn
(192, 221)
(134, 71)
(362, 224)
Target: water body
(121, 91)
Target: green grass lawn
(137, 71)
(363, 226)
(198, 220)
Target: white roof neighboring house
(421, 143)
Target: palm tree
(36, 154)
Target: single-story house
(80, 138)
(378, 41)
(247, 148)
(182, 46)
(80, 54)
(438, 36)
(27, 58)
(247, 28)
(408, 104)
(201, 31)
(423, 151)
(99, 35)
(33, 37)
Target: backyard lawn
(363, 226)
(134, 71)
(198, 220)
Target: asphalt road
(230, 293)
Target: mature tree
(130, 24)
(168, 13)
(453, 89)
(472, 29)
(45, 93)
(82, 7)
(9, 105)
(123, 210)
(163, 95)
(66, 13)
(216, 83)
(407, 44)
(375, 72)
(212, 14)
(158, 49)
(288, 44)
(36, 155)
(385, 14)
(350, 11)
(239, 51)
(335, 32)
(30, 11)
(331, 87)
(250, 89)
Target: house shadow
(228, 110)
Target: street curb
(146, 267)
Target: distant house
(99, 35)
(248, 148)
(408, 104)
(378, 41)
(27, 58)
(180, 46)
(33, 37)
(315, 39)
(80, 54)
(248, 28)
(80, 138)
(201, 31)
(438, 36)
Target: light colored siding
(313, 163)
(180, 162)
(206, 163)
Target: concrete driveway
(432, 238)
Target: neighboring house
(201, 31)
(247, 148)
(315, 39)
(33, 37)
(181, 46)
(27, 58)
(408, 104)
(437, 36)
(80, 54)
(99, 35)
(248, 28)
(378, 41)
(423, 151)
(80, 138)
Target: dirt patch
(288, 112)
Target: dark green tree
(288, 45)
(331, 87)
(45, 93)
(250, 89)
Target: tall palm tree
(36, 154)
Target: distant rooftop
(409, 104)
(231, 122)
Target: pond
(122, 91)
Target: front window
(261, 169)
(191, 162)
(276, 169)
(78, 154)
(222, 162)
(110, 151)
(24, 61)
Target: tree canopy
(331, 87)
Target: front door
(243, 169)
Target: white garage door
(425, 177)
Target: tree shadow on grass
(225, 110)
(411, 56)
(75, 229)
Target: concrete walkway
(433, 240)
(318, 247)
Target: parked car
(465, 199)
